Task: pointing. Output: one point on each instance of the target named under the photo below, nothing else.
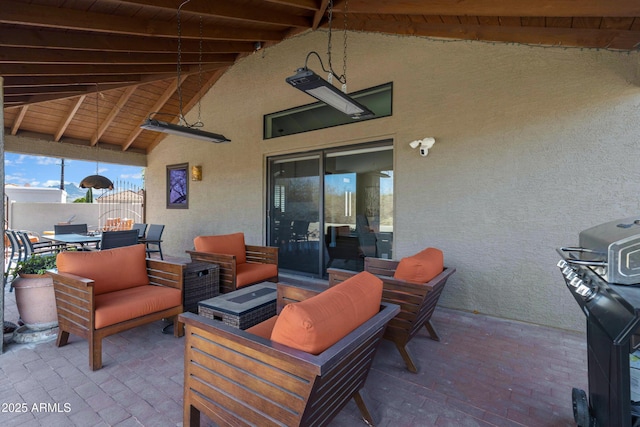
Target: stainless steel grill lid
(616, 245)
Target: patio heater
(312, 84)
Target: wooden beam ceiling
(57, 56)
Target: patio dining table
(73, 239)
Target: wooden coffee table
(243, 308)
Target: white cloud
(51, 183)
(131, 175)
(16, 179)
(41, 160)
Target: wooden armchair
(102, 293)
(240, 264)
(417, 302)
(238, 378)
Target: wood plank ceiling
(64, 60)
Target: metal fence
(121, 207)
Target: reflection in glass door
(358, 206)
(294, 212)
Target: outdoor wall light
(196, 173)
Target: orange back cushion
(228, 244)
(421, 267)
(111, 270)
(315, 324)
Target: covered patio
(533, 113)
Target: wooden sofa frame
(236, 378)
(227, 263)
(76, 307)
(417, 302)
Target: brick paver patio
(484, 372)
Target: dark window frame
(267, 129)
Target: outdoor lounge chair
(102, 293)
(240, 264)
(269, 375)
(417, 298)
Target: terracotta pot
(36, 301)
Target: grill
(603, 276)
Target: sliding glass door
(331, 208)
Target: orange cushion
(116, 307)
(249, 273)
(111, 269)
(228, 244)
(421, 267)
(315, 324)
(263, 329)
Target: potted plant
(34, 292)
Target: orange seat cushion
(116, 307)
(315, 324)
(228, 244)
(263, 329)
(421, 267)
(249, 273)
(111, 270)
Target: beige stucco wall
(533, 145)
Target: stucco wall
(39, 217)
(533, 145)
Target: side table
(201, 281)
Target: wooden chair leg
(404, 352)
(95, 353)
(432, 330)
(362, 406)
(191, 417)
(63, 337)
(178, 328)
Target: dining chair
(16, 253)
(30, 248)
(142, 228)
(154, 239)
(117, 239)
(70, 229)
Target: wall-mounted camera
(424, 145)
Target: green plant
(36, 264)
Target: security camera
(424, 145)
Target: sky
(39, 171)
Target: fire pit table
(242, 308)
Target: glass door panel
(358, 206)
(294, 212)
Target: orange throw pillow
(315, 324)
(111, 269)
(421, 267)
(227, 244)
